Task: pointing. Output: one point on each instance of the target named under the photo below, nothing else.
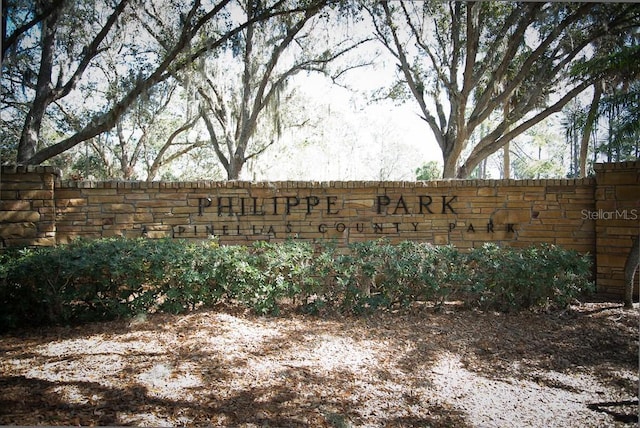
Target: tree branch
(90, 52)
(158, 161)
(485, 104)
(514, 81)
(495, 140)
(9, 41)
(406, 69)
(216, 144)
(166, 69)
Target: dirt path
(575, 368)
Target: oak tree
(456, 60)
(242, 89)
(52, 50)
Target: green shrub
(105, 279)
(283, 269)
(185, 275)
(113, 278)
(20, 297)
(320, 289)
(379, 274)
(510, 279)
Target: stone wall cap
(33, 169)
(617, 165)
(285, 186)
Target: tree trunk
(588, 128)
(506, 149)
(630, 267)
(452, 147)
(483, 169)
(450, 169)
(506, 161)
(235, 166)
(33, 123)
(169, 66)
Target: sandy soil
(421, 367)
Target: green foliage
(186, 276)
(120, 278)
(378, 274)
(509, 279)
(277, 271)
(431, 170)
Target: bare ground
(421, 367)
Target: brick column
(27, 206)
(617, 218)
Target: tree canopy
(54, 51)
(144, 82)
(244, 86)
(463, 62)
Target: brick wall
(617, 219)
(27, 206)
(37, 208)
(465, 213)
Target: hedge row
(114, 278)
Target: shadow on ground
(294, 370)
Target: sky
(363, 140)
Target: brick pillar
(27, 206)
(617, 218)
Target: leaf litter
(422, 366)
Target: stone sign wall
(463, 213)
(38, 208)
